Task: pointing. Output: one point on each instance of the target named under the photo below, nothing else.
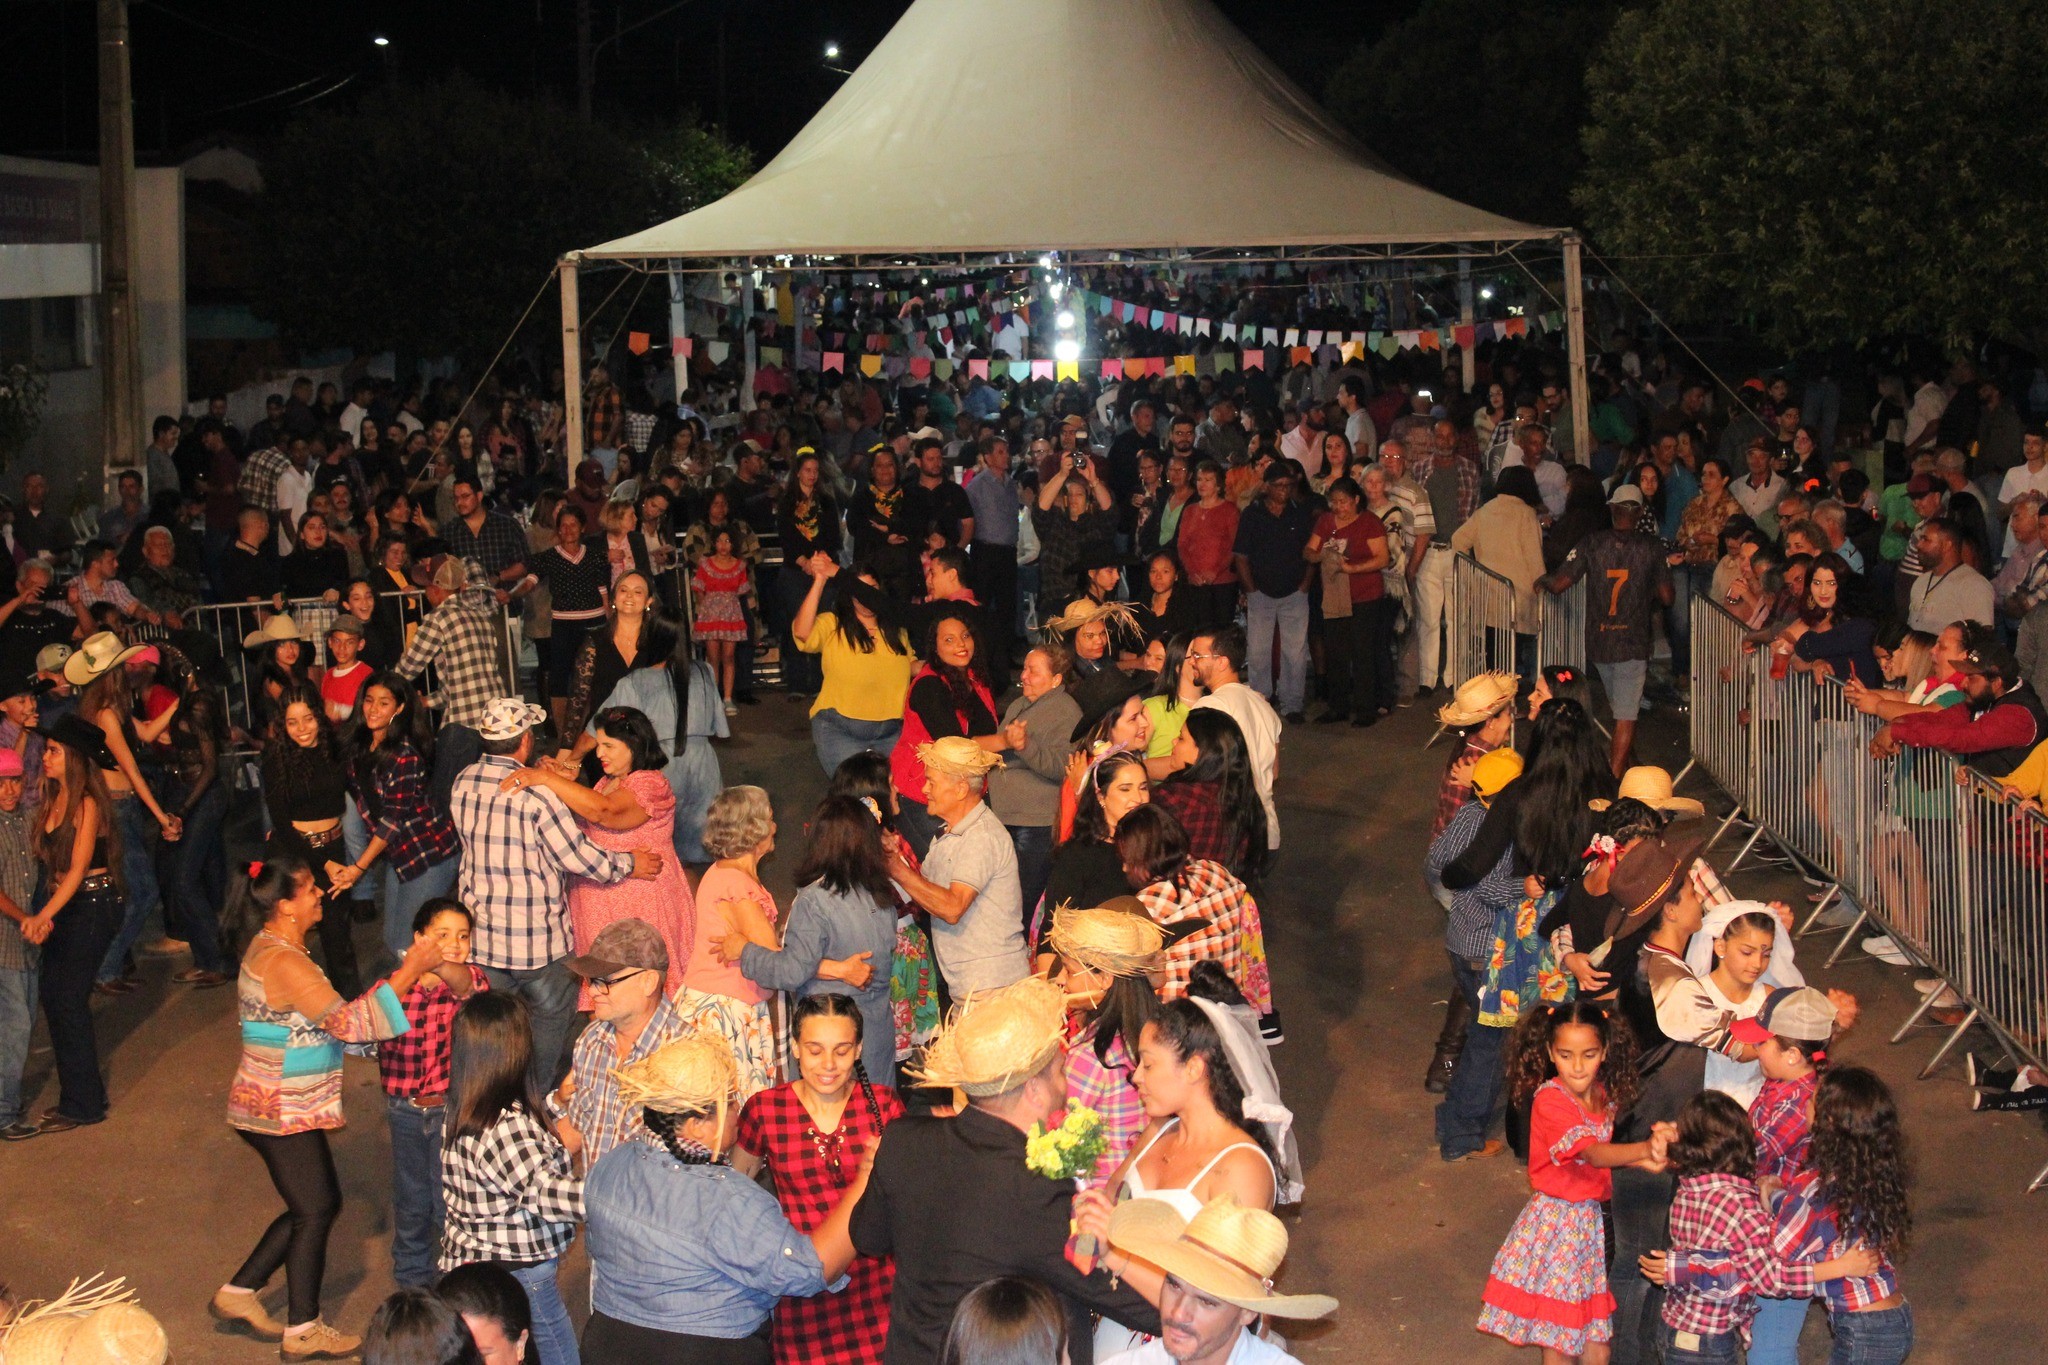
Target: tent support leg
(572, 365)
(1467, 355)
(1575, 343)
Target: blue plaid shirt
(516, 846)
(1469, 934)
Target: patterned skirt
(1549, 1282)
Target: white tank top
(1184, 1200)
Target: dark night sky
(238, 66)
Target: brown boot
(242, 1306)
(317, 1341)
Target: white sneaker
(1929, 986)
(1882, 948)
(731, 710)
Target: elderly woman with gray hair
(739, 833)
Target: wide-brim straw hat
(101, 653)
(282, 626)
(999, 1039)
(1121, 616)
(93, 1322)
(1226, 1251)
(1478, 698)
(1652, 787)
(957, 756)
(1116, 937)
(685, 1075)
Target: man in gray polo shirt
(969, 882)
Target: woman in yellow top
(867, 659)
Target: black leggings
(302, 1168)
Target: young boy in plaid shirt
(414, 1069)
(1721, 1255)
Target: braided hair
(833, 1005)
(667, 1129)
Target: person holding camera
(1074, 516)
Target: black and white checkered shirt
(464, 639)
(509, 1193)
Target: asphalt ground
(164, 1194)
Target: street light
(831, 52)
(1486, 293)
(381, 41)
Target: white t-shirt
(1928, 406)
(294, 491)
(352, 418)
(1250, 1350)
(2020, 479)
(1260, 723)
(1358, 430)
(1304, 445)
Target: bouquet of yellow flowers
(1070, 1150)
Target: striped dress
(289, 1076)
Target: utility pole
(120, 345)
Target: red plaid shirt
(1199, 808)
(849, 1326)
(1721, 1257)
(1810, 1230)
(414, 1065)
(1782, 1129)
(1203, 913)
(416, 836)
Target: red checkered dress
(828, 1329)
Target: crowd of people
(1049, 637)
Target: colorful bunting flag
(1068, 369)
(920, 366)
(1183, 364)
(1299, 355)
(1388, 346)
(1226, 362)
(942, 368)
(1134, 367)
(1020, 370)
(1201, 327)
(1254, 360)
(1155, 365)
(871, 365)
(833, 362)
(636, 342)
(977, 369)
(1040, 369)
(1158, 319)
(1112, 369)
(1464, 335)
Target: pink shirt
(707, 971)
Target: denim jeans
(554, 1336)
(455, 748)
(837, 738)
(17, 1021)
(1880, 1337)
(1034, 867)
(403, 899)
(1774, 1331)
(139, 833)
(197, 870)
(1286, 618)
(77, 944)
(1642, 1215)
(355, 837)
(416, 1208)
(1465, 1114)
(550, 996)
(1693, 1348)
(1686, 579)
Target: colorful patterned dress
(812, 1172)
(1549, 1282)
(913, 990)
(719, 614)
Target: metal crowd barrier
(1482, 630)
(227, 624)
(1561, 628)
(1931, 853)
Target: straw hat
(998, 1039)
(93, 1322)
(685, 1075)
(1079, 612)
(1226, 1251)
(1652, 787)
(101, 653)
(1478, 698)
(1116, 938)
(279, 627)
(957, 756)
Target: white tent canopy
(979, 127)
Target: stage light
(831, 52)
(1486, 293)
(1065, 321)
(1066, 349)
(381, 41)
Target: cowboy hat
(1647, 878)
(100, 654)
(1652, 787)
(509, 718)
(282, 626)
(999, 1039)
(1103, 693)
(1226, 1252)
(1116, 938)
(1477, 699)
(74, 731)
(957, 756)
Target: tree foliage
(1833, 169)
(424, 219)
(1479, 99)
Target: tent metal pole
(1467, 356)
(747, 334)
(572, 366)
(679, 325)
(1575, 341)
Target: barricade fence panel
(1721, 738)
(1482, 632)
(1561, 633)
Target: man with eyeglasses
(630, 1016)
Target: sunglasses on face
(605, 983)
